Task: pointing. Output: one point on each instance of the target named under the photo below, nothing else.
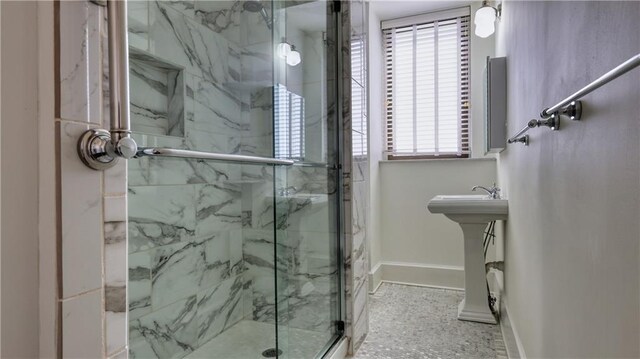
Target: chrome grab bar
(571, 106)
(178, 153)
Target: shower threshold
(249, 339)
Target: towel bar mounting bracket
(97, 151)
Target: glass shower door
(231, 260)
(307, 201)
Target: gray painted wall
(19, 181)
(572, 240)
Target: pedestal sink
(473, 213)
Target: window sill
(439, 160)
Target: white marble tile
(186, 7)
(176, 270)
(138, 21)
(116, 332)
(149, 97)
(171, 332)
(221, 16)
(218, 208)
(216, 109)
(219, 308)
(94, 50)
(81, 214)
(115, 208)
(82, 331)
(174, 37)
(160, 215)
(115, 252)
(115, 178)
(139, 284)
(215, 251)
(79, 61)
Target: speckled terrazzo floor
(418, 322)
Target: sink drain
(271, 353)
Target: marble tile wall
(356, 120)
(92, 237)
(190, 259)
(197, 231)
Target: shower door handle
(178, 153)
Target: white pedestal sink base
(475, 306)
(473, 316)
(472, 213)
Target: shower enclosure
(230, 259)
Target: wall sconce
(289, 53)
(485, 19)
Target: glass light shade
(284, 50)
(485, 30)
(485, 21)
(293, 58)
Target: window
(427, 85)
(358, 97)
(288, 124)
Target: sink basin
(470, 208)
(473, 213)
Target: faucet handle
(495, 191)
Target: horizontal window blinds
(427, 88)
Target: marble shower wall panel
(157, 95)
(222, 17)
(160, 215)
(93, 217)
(218, 208)
(176, 38)
(355, 122)
(80, 60)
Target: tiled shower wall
(360, 171)
(355, 177)
(202, 233)
(92, 236)
(93, 209)
(187, 274)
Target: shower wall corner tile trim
(92, 239)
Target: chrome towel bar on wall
(571, 106)
(100, 149)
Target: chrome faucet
(493, 191)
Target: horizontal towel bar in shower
(571, 106)
(179, 153)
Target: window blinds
(427, 87)
(288, 124)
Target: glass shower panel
(306, 216)
(231, 260)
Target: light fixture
(289, 53)
(485, 19)
(294, 57)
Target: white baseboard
(375, 278)
(509, 333)
(435, 276)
